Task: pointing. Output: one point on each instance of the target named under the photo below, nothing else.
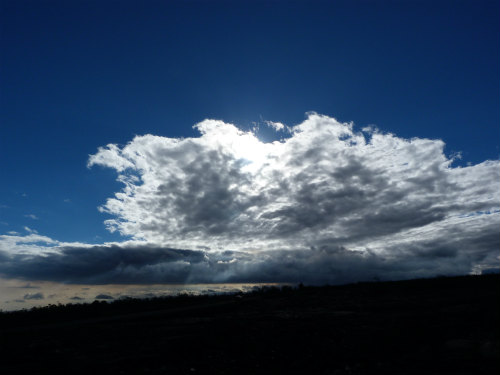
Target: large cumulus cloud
(324, 183)
(325, 204)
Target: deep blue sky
(76, 75)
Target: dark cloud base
(318, 265)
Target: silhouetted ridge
(441, 325)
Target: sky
(188, 142)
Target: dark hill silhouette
(429, 326)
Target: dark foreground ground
(434, 326)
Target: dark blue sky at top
(76, 75)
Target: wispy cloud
(29, 286)
(277, 126)
(31, 216)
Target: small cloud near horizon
(104, 296)
(33, 296)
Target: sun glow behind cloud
(243, 146)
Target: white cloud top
(324, 185)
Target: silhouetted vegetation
(441, 325)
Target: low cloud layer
(325, 204)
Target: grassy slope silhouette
(431, 326)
